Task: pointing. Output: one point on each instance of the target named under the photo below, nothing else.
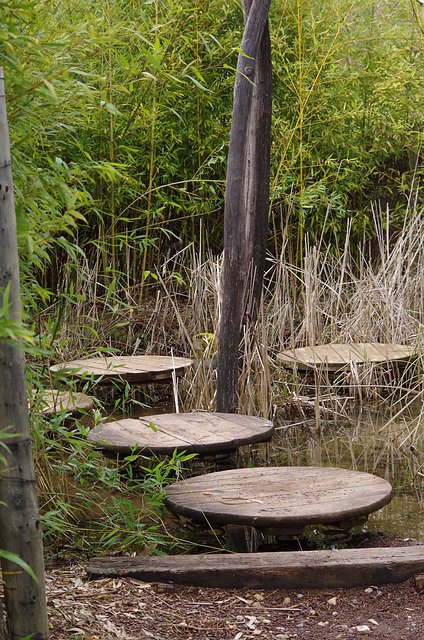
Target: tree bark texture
(323, 569)
(20, 530)
(247, 195)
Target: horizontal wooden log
(278, 570)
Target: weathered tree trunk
(247, 195)
(20, 531)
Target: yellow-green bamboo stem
(151, 170)
(310, 92)
(111, 143)
(300, 121)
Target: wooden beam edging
(274, 570)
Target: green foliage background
(119, 115)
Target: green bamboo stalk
(111, 146)
(151, 171)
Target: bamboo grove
(119, 117)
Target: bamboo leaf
(12, 557)
(51, 88)
(196, 82)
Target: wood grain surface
(279, 497)
(337, 356)
(56, 402)
(274, 570)
(191, 432)
(125, 368)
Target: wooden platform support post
(20, 531)
(247, 195)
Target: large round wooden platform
(133, 369)
(162, 434)
(337, 356)
(279, 499)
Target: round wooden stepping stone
(57, 402)
(337, 356)
(125, 368)
(162, 434)
(279, 499)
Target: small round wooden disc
(279, 497)
(56, 402)
(197, 432)
(125, 368)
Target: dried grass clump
(374, 295)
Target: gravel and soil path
(128, 609)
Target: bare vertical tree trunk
(247, 194)
(20, 531)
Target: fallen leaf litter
(128, 609)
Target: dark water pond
(386, 441)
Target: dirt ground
(128, 609)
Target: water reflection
(386, 442)
(403, 516)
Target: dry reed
(334, 297)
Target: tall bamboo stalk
(151, 169)
(199, 162)
(300, 120)
(111, 144)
